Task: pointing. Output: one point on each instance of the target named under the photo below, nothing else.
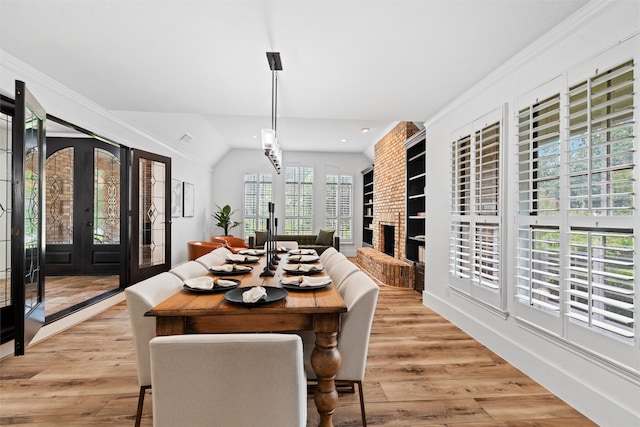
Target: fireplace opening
(389, 239)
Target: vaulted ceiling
(199, 66)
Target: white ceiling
(199, 66)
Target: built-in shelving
(415, 209)
(367, 210)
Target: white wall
(61, 102)
(606, 392)
(229, 173)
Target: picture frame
(176, 198)
(188, 207)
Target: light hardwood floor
(421, 371)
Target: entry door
(27, 242)
(150, 215)
(83, 208)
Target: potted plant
(223, 216)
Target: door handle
(88, 223)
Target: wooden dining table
(319, 310)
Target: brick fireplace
(389, 207)
(389, 184)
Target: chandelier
(270, 145)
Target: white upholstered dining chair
(328, 253)
(342, 270)
(141, 297)
(360, 294)
(228, 380)
(189, 270)
(333, 260)
(211, 259)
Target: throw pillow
(261, 238)
(325, 238)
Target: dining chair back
(228, 380)
(342, 270)
(189, 270)
(328, 253)
(211, 259)
(360, 295)
(333, 260)
(141, 297)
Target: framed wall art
(187, 199)
(176, 198)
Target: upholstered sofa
(320, 242)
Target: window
(298, 190)
(338, 211)
(576, 237)
(538, 165)
(475, 233)
(258, 192)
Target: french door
(83, 206)
(27, 232)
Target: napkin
(306, 268)
(303, 281)
(303, 252)
(242, 258)
(252, 252)
(254, 294)
(303, 258)
(228, 268)
(224, 283)
(204, 283)
(225, 267)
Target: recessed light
(343, 140)
(254, 137)
(364, 130)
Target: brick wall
(389, 182)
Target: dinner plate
(232, 272)
(252, 252)
(295, 259)
(303, 252)
(273, 294)
(297, 287)
(289, 270)
(215, 288)
(249, 259)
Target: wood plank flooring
(65, 291)
(421, 371)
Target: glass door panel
(151, 243)
(27, 232)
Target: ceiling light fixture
(364, 130)
(269, 137)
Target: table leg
(326, 362)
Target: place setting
(241, 259)
(252, 252)
(255, 295)
(303, 268)
(305, 283)
(230, 269)
(206, 284)
(303, 252)
(302, 258)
